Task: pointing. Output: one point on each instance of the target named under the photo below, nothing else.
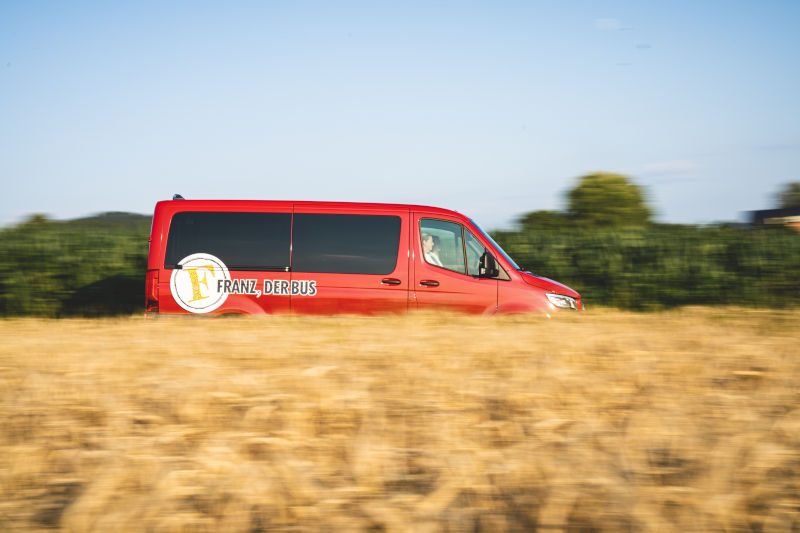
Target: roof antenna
(178, 197)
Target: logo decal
(195, 285)
(203, 283)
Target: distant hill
(112, 219)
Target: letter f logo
(196, 285)
(196, 281)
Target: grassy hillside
(604, 422)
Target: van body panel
(155, 256)
(454, 292)
(516, 297)
(548, 284)
(374, 264)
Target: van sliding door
(353, 262)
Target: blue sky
(490, 108)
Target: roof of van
(211, 204)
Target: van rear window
(345, 244)
(243, 241)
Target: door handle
(391, 281)
(429, 283)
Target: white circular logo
(194, 286)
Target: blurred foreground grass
(686, 421)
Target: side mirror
(487, 266)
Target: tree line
(604, 245)
(662, 266)
(93, 266)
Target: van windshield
(496, 246)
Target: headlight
(564, 302)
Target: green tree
(544, 220)
(790, 195)
(608, 200)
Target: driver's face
(427, 244)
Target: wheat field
(603, 421)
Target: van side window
(243, 241)
(345, 244)
(474, 252)
(442, 244)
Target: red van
(256, 257)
